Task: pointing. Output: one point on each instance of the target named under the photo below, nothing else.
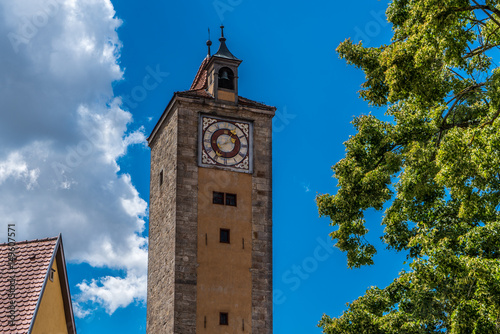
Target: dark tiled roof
(195, 93)
(251, 103)
(202, 93)
(30, 268)
(223, 51)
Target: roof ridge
(255, 101)
(30, 241)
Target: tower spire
(223, 51)
(209, 43)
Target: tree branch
(484, 8)
(491, 120)
(459, 97)
(479, 50)
(486, 123)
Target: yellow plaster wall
(224, 282)
(50, 318)
(225, 95)
(211, 82)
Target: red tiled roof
(200, 85)
(30, 268)
(200, 80)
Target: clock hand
(227, 140)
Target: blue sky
(76, 114)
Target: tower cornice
(208, 104)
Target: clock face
(225, 143)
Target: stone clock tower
(210, 229)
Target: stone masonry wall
(187, 223)
(162, 226)
(262, 228)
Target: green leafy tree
(433, 163)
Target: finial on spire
(222, 32)
(209, 42)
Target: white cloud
(61, 133)
(16, 167)
(114, 292)
(80, 311)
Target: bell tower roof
(217, 80)
(223, 51)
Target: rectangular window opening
(51, 274)
(224, 235)
(223, 319)
(231, 199)
(218, 198)
(161, 177)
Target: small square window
(218, 198)
(223, 319)
(224, 235)
(231, 199)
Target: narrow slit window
(224, 236)
(51, 274)
(161, 178)
(218, 198)
(223, 319)
(231, 199)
